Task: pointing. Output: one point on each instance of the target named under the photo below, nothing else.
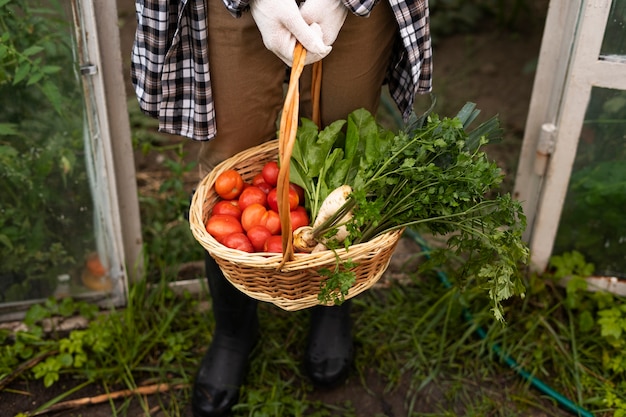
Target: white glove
(329, 14)
(281, 24)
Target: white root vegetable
(331, 204)
(303, 239)
(320, 247)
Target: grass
(419, 343)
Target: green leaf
(609, 322)
(35, 78)
(35, 49)
(50, 378)
(8, 129)
(52, 93)
(4, 239)
(50, 69)
(65, 360)
(21, 72)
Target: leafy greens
(431, 176)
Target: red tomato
(299, 218)
(273, 244)
(272, 199)
(265, 187)
(229, 184)
(252, 216)
(258, 235)
(294, 199)
(299, 190)
(259, 181)
(271, 220)
(252, 195)
(230, 207)
(221, 225)
(270, 173)
(239, 241)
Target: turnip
(330, 219)
(331, 205)
(303, 239)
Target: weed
(417, 338)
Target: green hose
(537, 383)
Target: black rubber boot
(224, 366)
(330, 348)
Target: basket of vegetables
(335, 201)
(272, 270)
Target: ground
(494, 69)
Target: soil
(492, 68)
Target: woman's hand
(281, 24)
(329, 14)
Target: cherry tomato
(299, 190)
(259, 181)
(294, 200)
(252, 216)
(229, 184)
(270, 173)
(271, 220)
(272, 199)
(299, 218)
(230, 207)
(221, 225)
(239, 241)
(273, 244)
(252, 195)
(258, 235)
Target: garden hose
(497, 349)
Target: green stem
(333, 221)
(384, 166)
(448, 219)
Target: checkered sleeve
(411, 69)
(170, 68)
(360, 7)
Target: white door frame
(569, 67)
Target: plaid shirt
(170, 66)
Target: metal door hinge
(88, 69)
(545, 147)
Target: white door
(69, 223)
(571, 177)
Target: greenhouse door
(69, 223)
(571, 177)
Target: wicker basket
(289, 280)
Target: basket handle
(287, 138)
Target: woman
(214, 71)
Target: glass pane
(47, 240)
(614, 43)
(593, 220)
